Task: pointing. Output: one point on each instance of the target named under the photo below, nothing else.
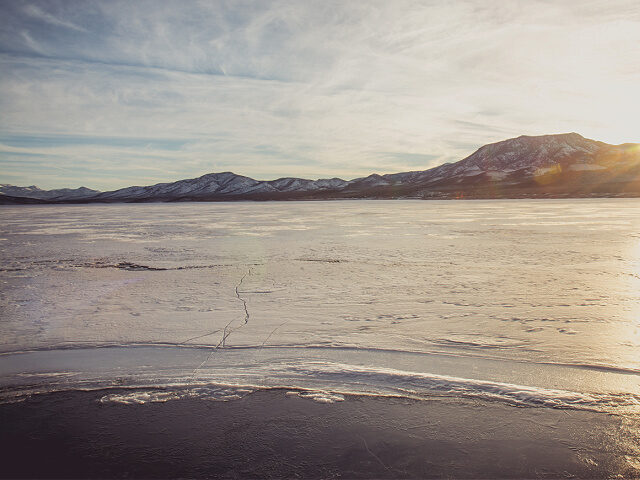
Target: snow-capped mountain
(36, 192)
(565, 164)
(549, 165)
(225, 184)
(529, 152)
(526, 154)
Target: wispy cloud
(311, 89)
(38, 13)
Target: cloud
(38, 13)
(313, 89)
(32, 44)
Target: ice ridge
(424, 384)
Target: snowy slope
(519, 159)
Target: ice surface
(538, 282)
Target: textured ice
(418, 384)
(161, 373)
(142, 396)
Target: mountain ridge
(525, 166)
(37, 193)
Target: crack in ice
(199, 336)
(373, 454)
(272, 332)
(226, 331)
(244, 302)
(123, 265)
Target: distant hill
(10, 200)
(565, 165)
(36, 192)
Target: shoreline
(8, 200)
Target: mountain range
(564, 165)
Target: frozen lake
(530, 302)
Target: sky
(109, 94)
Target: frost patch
(319, 396)
(140, 397)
